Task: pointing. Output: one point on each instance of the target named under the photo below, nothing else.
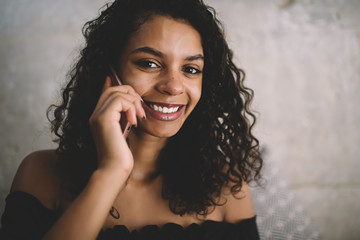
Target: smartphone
(125, 125)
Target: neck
(145, 149)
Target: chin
(165, 130)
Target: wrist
(114, 164)
(110, 176)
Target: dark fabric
(26, 218)
(209, 230)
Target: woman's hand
(115, 102)
(86, 215)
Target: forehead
(166, 34)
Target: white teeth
(164, 109)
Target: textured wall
(38, 41)
(301, 57)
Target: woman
(181, 172)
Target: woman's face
(163, 62)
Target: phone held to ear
(125, 125)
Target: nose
(171, 83)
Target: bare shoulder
(39, 175)
(240, 206)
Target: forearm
(86, 215)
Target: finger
(107, 83)
(115, 105)
(125, 91)
(106, 90)
(130, 90)
(134, 93)
(140, 112)
(130, 115)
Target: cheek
(138, 80)
(195, 93)
(142, 84)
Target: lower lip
(163, 116)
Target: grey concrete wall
(301, 57)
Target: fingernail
(144, 115)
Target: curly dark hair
(215, 148)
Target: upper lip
(169, 105)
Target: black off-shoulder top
(26, 218)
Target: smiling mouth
(164, 111)
(164, 108)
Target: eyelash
(150, 64)
(190, 69)
(146, 64)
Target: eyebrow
(148, 50)
(195, 57)
(160, 54)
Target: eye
(147, 64)
(191, 70)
